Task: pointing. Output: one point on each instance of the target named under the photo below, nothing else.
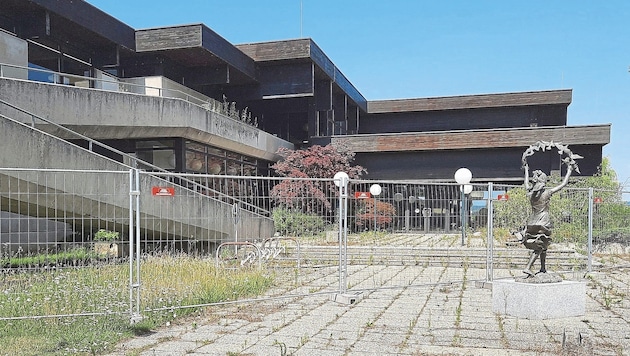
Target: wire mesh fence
(134, 242)
(50, 253)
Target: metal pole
(490, 236)
(590, 230)
(137, 220)
(343, 234)
(374, 211)
(463, 200)
(134, 257)
(131, 252)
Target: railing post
(490, 236)
(343, 233)
(590, 230)
(134, 257)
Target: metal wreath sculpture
(563, 150)
(536, 235)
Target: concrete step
(456, 256)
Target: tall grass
(101, 294)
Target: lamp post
(375, 190)
(463, 177)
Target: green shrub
(106, 235)
(297, 223)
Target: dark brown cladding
(194, 45)
(475, 139)
(552, 97)
(277, 50)
(89, 17)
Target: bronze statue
(536, 235)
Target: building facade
(280, 94)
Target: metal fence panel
(409, 233)
(285, 227)
(609, 229)
(175, 230)
(51, 263)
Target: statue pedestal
(539, 301)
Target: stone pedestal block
(539, 301)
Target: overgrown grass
(167, 282)
(73, 257)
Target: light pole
(375, 190)
(463, 177)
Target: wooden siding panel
(194, 45)
(465, 119)
(497, 164)
(279, 50)
(304, 49)
(160, 39)
(457, 140)
(472, 101)
(223, 49)
(504, 163)
(289, 79)
(92, 18)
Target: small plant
(283, 347)
(106, 235)
(609, 296)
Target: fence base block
(539, 301)
(346, 298)
(135, 319)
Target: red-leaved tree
(311, 196)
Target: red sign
(362, 195)
(163, 191)
(598, 200)
(503, 197)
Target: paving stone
(425, 318)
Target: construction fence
(131, 243)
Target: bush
(365, 214)
(297, 223)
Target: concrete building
(290, 90)
(184, 99)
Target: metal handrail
(120, 83)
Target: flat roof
(194, 45)
(549, 97)
(303, 49)
(476, 139)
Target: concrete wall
(112, 115)
(13, 50)
(88, 198)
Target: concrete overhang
(105, 115)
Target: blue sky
(415, 48)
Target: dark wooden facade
(298, 94)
